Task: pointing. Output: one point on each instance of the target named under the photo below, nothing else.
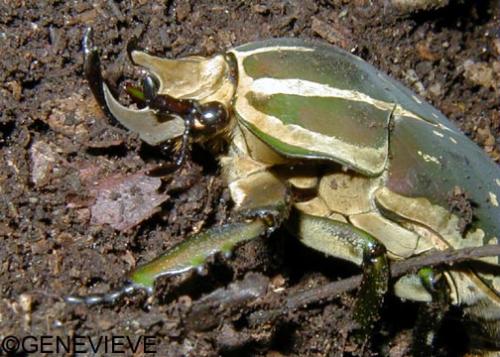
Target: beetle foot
(168, 168)
(107, 298)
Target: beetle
(352, 162)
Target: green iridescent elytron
(378, 165)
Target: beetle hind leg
(340, 239)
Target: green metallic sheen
(284, 148)
(335, 67)
(462, 163)
(326, 65)
(194, 252)
(315, 114)
(293, 103)
(451, 165)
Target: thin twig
(398, 268)
(267, 307)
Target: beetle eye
(213, 114)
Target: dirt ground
(58, 151)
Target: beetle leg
(193, 252)
(266, 207)
(190, 254)
(260, 214)
(341, 239)
(430, 314)
(106, 298)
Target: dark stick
(273, 305)
(398, 268)
(267, 307)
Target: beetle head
(183, 99)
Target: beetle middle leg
(341, 239)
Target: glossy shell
(309, 100)
(355, 164)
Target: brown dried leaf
(125, 201)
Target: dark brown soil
(55, 143)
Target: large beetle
(351, 161)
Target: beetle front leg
(190, 254)
(193, 252)
(373, 286)
(336, 238)
(263, 205)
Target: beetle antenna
(107, 298)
